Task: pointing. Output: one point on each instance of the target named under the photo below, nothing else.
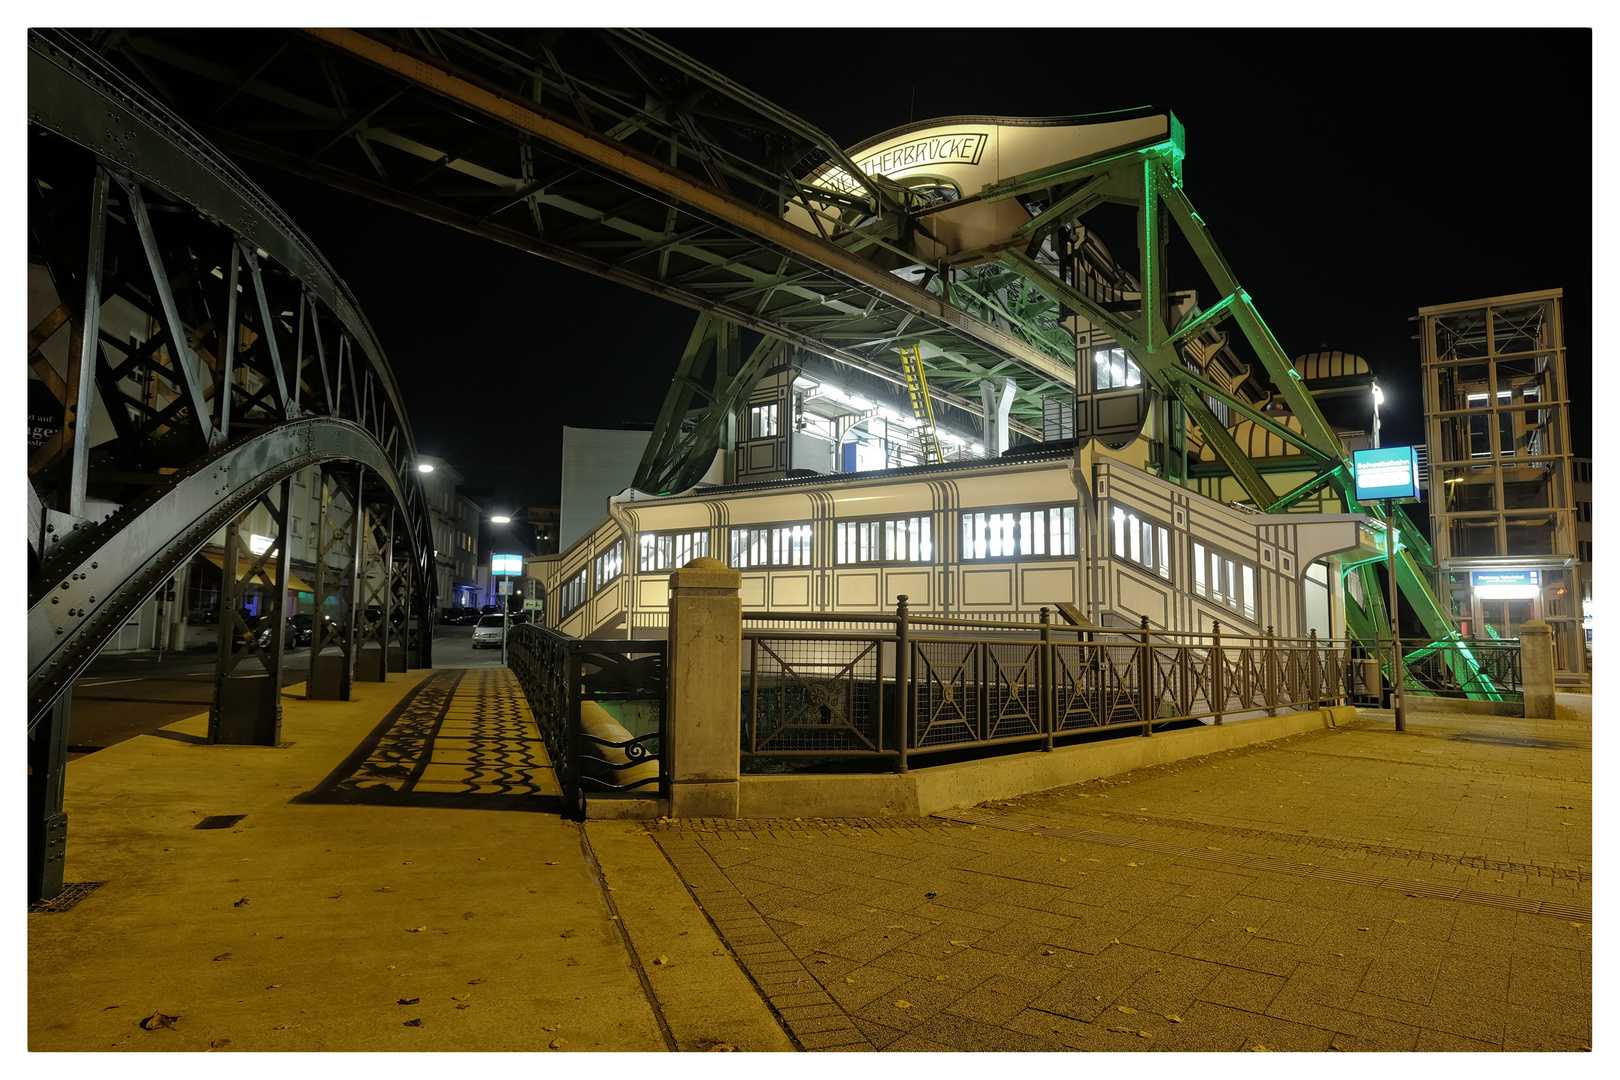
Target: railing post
(1318, 687)
(1271, 671)
(705, 689)
(1045, 667)
(902, 681)
(1144, 680)
(1217, 663)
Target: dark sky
(1349, 177)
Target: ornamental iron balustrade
(815, 688)
(629, 679)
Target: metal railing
(1483, 669)
(826, 686)
(627, 680)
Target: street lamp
(424, 467)
(501, 519)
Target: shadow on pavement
(451, 743)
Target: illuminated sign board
(259, 544)
(506, 564)
(1387, 473)
(1516, 578)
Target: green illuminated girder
(1149, 178)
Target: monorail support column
(373, 578)
(247, 703)
(47, 822)
(331, 674)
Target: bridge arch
(197, 351)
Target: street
(128, 694)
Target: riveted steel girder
(607, 151)
(246, 328)
(96, 586)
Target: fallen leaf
(720, 952)
(467, 915)
(474, 982)
(415, 929)
(1259, 1049)
(662, 961)
(1145, 1034)
(241, 903)
(1132, 864)
(961, 944)
(335, 895)
(1363, 928)
(1048, 952)
(567, 933)
(848, 979)
(459, 997)
(1173, 1018)
(902, 1004)
(158, 1020)
(552, 863)
(941, 978)
(273, 986)
(557, 1043)
(1334, 1045)
(222, 956)
(724, 1048)
(1256, 930)
(463, 1006)
(823, 961)
(219, 1044)
(1126, 1009)
(410, 1001)
(414, 1023)
(1114, 942)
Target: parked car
(489, 630)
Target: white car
(489, 630)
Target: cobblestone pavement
(1349, 889)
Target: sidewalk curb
(704, 997)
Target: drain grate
(219, 821)
(71, 894)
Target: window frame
(700, 539)
(784, 545)
(863, 534)
(610, 557)
(1148, 532)
(1064, 521)
(576, 584)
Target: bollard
(1217, 674)
(1046, 694)
(902, 680)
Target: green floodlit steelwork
(611, 152)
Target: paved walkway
(1349, 889)
(397, 881)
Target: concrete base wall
(1417, 703)
(945, 787)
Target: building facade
(1502, 471)
(455, 533)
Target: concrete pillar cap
(706, 573)
(1534, 626)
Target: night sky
(1349, 177)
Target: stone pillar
(1536, 670)
(705, 689)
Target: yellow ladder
(921, 407)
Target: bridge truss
(211, 353)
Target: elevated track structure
(612, 152)
(201, 352)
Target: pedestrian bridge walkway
(463, 738)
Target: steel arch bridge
(210, 353)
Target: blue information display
(506, 564)
(1505, 577)
(1390, 472)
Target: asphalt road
(129, 694)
